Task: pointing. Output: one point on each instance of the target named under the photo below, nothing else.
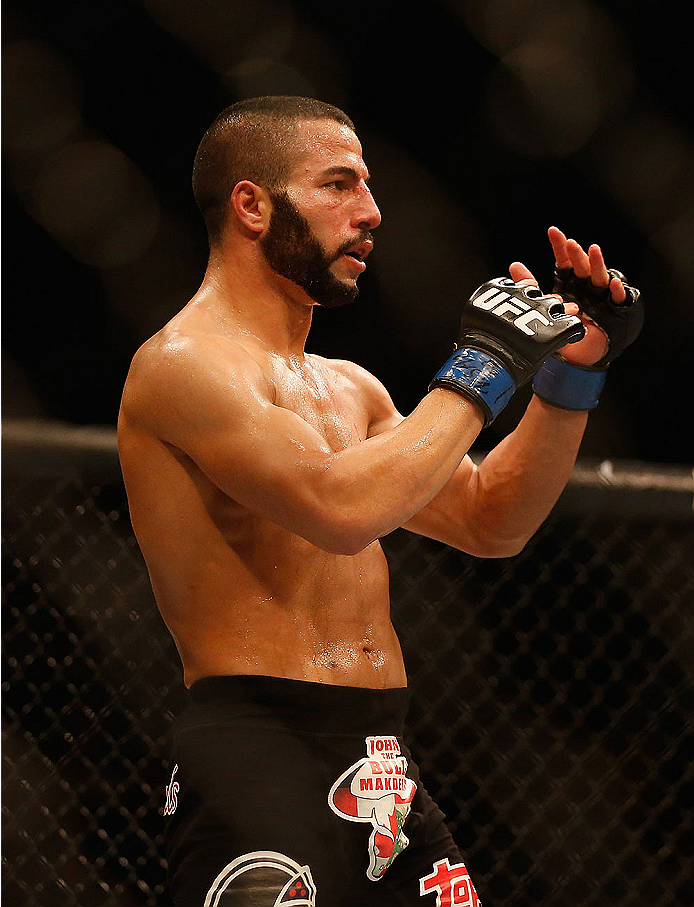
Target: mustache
(363, 236)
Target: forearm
(376, 486)
(520, 480)
(492, 510)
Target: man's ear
(251, 206)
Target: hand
(569, 254)
(598, 341)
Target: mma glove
(568, 386)
(507, 331)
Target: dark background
(482, 123)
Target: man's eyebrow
(339, 170)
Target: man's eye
(337, 184)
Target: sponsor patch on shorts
(263, 877)
(452, 885)
(376, 790)
(172, 789)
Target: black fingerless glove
(622, 322)
(570, 386)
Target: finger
(619, 294)
(518, 272)
(598, 272)
(579, 260)
(559, 241)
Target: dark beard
(293, 251)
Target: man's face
(292, 250)
(320, 230)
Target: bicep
(263, 456)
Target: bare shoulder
(182, 374)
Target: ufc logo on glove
(499, 302)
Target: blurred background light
(647, 165)
(85, 192)
(42, 98)
(561, 72)
(96, 203)
(224, 34)
(261, 76)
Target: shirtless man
(260, 479)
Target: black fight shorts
(286, 792)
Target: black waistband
(315, 707)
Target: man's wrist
(562, 384)
(480, 377)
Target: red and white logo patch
(452, 885)
(376, 790)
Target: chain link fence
(552, 692)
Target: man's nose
(366, 214)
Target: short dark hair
(254, 140)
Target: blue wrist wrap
(568, 386)
(478, 376)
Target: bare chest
(327, 401)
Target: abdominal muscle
(283, 609)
